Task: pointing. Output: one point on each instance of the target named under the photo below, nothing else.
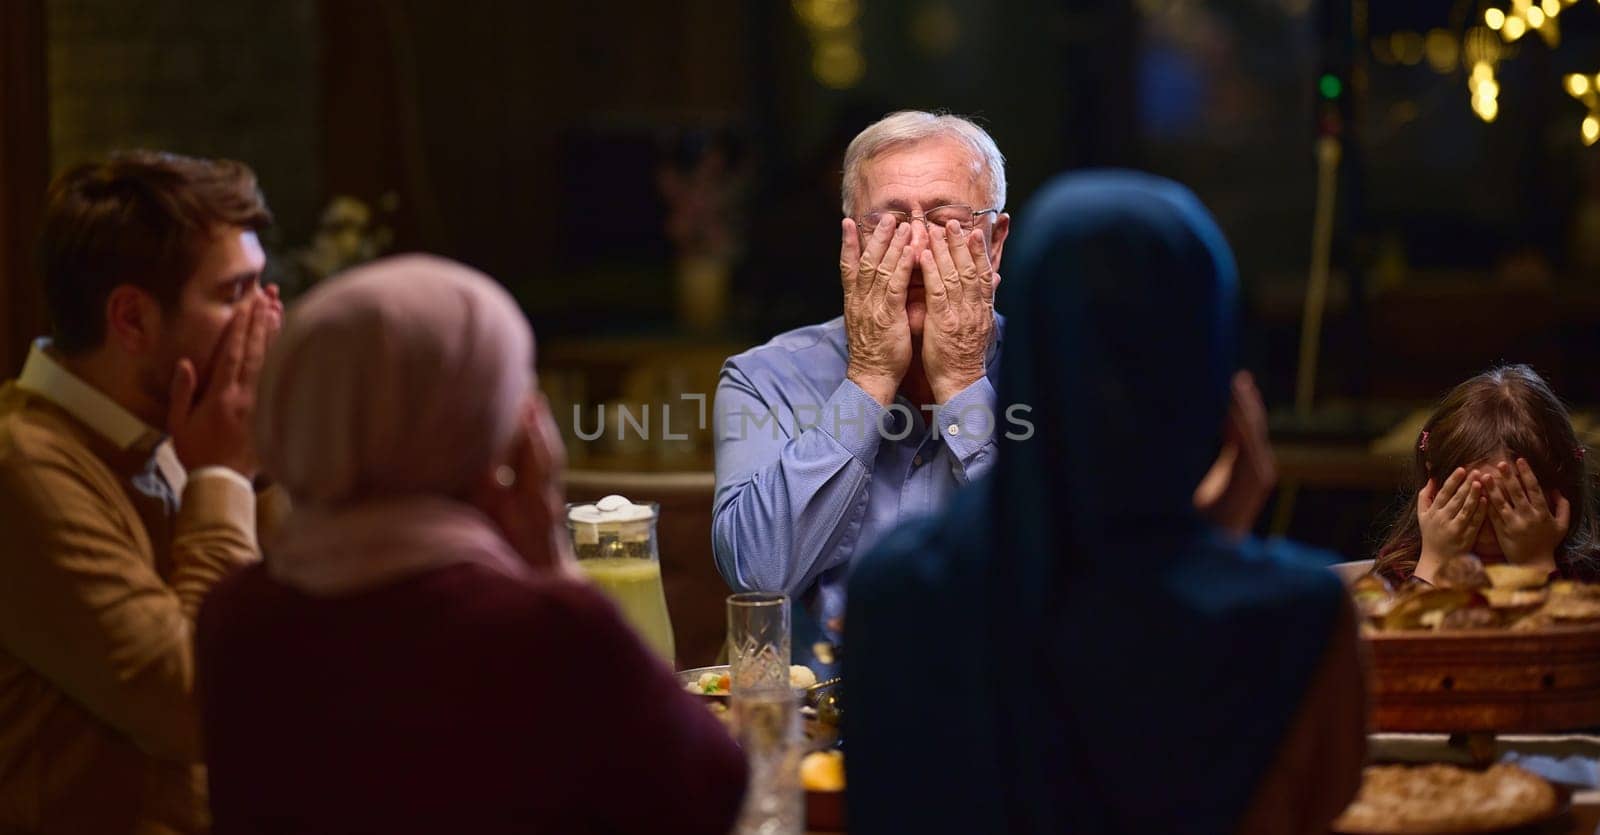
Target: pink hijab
(391, 389)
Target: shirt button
(917, 461)
(955, 429)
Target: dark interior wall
(24, 163)
(230, 79)
(466, 114)
(518, 135)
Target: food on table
(1446, 798)
(1571, 607)
(1510, 603)
(1514, 606)
(1462, 572)
(823, 771)
(801, 676)
(1537, 620)
(1516, 576)
(1579, 589)
(1426, 608)
(1470, 617)
(1515, 598)
(716, 682)
(1373, 596)
(710, 684)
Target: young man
(126, 492)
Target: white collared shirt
(42, 375)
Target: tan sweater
(99, 588)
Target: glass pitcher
(615, 542)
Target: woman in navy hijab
(1074, 646)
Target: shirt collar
(44, 376)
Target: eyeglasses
(937, 216)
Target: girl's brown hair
(1506, 409)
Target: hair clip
(1424, 445)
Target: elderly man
(830, 435)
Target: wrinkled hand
(211, 427)
(1449, 516)
(960, 290)
(1528, 524)
(532, 513)
(1237, 486)
(876, 329)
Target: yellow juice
(635, 586)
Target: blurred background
(658, 183)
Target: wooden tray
(1486, 680)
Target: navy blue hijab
(1070, 648)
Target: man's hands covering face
(875, 278)
(960, 290)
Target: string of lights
(1482, 48)
(835, 34)
(1516, 21)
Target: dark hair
(1509, 408)
(140, 218)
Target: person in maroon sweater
(416, 653)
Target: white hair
(908, 127)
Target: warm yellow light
(1591, 129)
(1408, 47)
(1551, 7)
(838, 63)
(1482, 72)
(1382, 52)
(1488, 89)
(1577, 84)
(1487, 109)
(1535, 17)
(1494, 18)
(1481, 44)
(827, 15)
(1443, 51)
(1515, 28)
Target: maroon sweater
(454, 701)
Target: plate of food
(1467, 595)
(713, 682)
(1438, 799)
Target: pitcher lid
(611, 509)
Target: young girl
(1501, 475)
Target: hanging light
(1591, 129)
(1494, 18)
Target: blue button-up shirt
(812, 471)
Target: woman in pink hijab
(415, 653)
